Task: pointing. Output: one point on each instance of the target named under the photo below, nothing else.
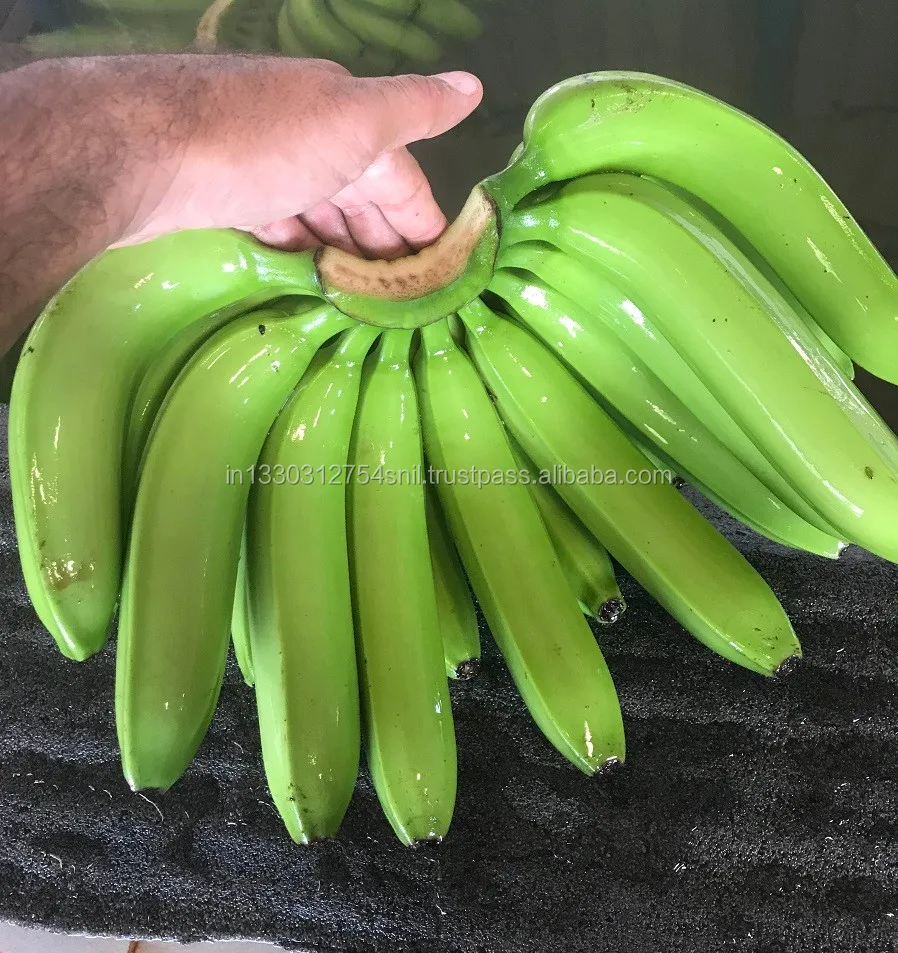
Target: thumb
(404, 109)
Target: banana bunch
(369, 37)
(325, 459)
(374, 37)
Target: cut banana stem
(634, 122)
(656, 535)
(72, 396)
(421, 288)
(584, 560)
(742, 348)
(638, 331)
(626, 386)
(300, 601)
(181, 571)
(508, 556)
(240, 637)
(458, 620)
(409, 733)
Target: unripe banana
(719, 229)
(458, 619)
(409, 733)
(584, 560)
(740, 344)
(638, 331)
(402, 37)
(508, 556)
(634, 122)
(165, 366)
(649, 528)
(71, 399)
(240, 623)
(301, 625)
(647, 409)
(449, 18)
(180, 577)
(314, 25)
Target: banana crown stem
(418, 289)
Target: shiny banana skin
(754, 356)
(403, 37)
(628, 389)
(71, 399)
(635, 122)
(639, 332)
(650, 529)
(721, 227)
(166, 365)
(509, 559)
(301, 627)
(584, 560)
(240, 635)
(458, 620)
(408, 727)
(181, 568)
(813, 346)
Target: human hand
(100, 151)
(301, 153)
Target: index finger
(397, 186)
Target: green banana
(400, 36)
(458, 619)
(634, 122)
(449, 18)
(181, 569)
(822, 355)
(639, 333)
(409, 732)
(301, 628)
(649, 528)
(584, 560)
(154, 386)
(71, 398)
(764, 367)
(731, 237)
(240, 617)
(243, 24)
(240, 622)
(629, 390)
(316, 26)
(508, 556)
(398, 9)
(288, 36)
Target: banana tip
(609, 766)
(467, 669)
(611, 610)
(787, 667)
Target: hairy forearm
(87, 145)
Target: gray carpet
(752, 814)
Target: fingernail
(465, 83)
